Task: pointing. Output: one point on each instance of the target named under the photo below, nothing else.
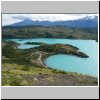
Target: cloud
(8, 19)
(20, 17)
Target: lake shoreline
(20, 39)
(43, 58)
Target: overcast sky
(8, 19)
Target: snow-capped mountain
(84, 22)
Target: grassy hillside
(23, 75)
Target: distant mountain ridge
(83, 23)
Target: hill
(49, 32)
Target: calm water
(25, 46)
(87, 66)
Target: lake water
(25, 46)
(87, 66)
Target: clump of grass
(24, 83)
(65, 72)
(26, 68)
(59, 71)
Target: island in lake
(30, 67)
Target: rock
(35, 79)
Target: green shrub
(59, 71)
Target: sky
(8, 19)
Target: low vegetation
(35, 43)
(22, 75)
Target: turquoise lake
(88, 66)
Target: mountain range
(83, 23)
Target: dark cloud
(20, 17)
